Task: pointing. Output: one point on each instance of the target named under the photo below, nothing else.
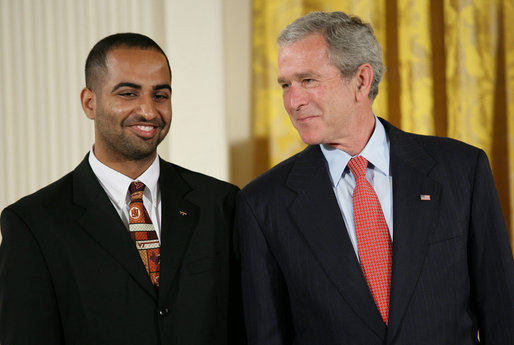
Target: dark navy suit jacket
(453, 272)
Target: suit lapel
(415, 208)
(179, 218)
(101, 221)
(320, 222)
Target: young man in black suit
(70, 271)
(431, 264)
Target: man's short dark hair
(96, 60)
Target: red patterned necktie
(374, 243)
(143, 233)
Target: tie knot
(136, 190)
(358, 166)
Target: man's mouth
(144, 131)
(145, 128)
(307, 118)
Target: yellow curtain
(449, 72)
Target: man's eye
(160, 97)
(284, 85)
(127, 94)
(308, 82)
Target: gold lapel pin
(182, 213)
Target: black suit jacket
(70, 274)
(453, 271)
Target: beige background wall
(43, 131)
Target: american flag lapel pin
(424, 197)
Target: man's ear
(88, 101)
(363, 79)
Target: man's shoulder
(435, 146)
(278, 175)
(58, 194)
(439, 156)
(446, 148)
(54, 193)
(196, 179)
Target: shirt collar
(116, 184)
(376, 152)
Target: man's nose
(297, 97)
(147, 107)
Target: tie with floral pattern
(143, 233)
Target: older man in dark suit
(127, 248)
(370, 235)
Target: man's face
(132, 111)
(319, 101)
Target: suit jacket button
(164, 312)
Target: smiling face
(320, 102)
(132, 106)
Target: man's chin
(310, 139)
(142, 152)
(142, 156)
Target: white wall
(43, 131)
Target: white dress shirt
(116, 186)
(378, 175)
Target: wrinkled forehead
(311, 46)
(308, 53)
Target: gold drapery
(449, 72)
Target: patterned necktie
(143, 233)
(374, 243)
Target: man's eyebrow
(138, 87)
(127, 84)
(162, 86)
(299, 76)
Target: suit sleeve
(236, 330)
(28, 306)
(491, 263)
(265, 297)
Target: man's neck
(132, 168)
(362, 130)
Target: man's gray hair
(350, 42)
